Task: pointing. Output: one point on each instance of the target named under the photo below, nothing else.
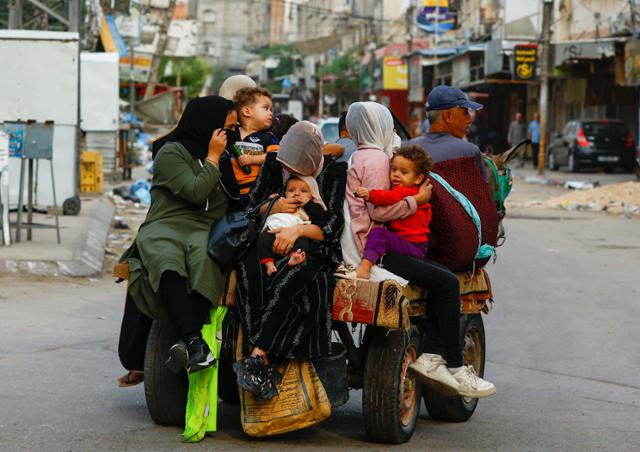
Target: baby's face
(299, 191)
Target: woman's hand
(424, 192)
(285, 205)
(285, 238)
(217, 144)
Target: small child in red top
(410, 167)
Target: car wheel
(552, 162)
(573, 164)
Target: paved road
(562, 350)
(588, 175)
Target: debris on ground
(129, 215)
(118, 223)
(623, 198)
(125, 194)
(141, 189)
(581, 185)
(537, 180)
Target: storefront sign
(582, 50)
(395, 74)
(525, 60)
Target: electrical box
(32, 140)
(91, 172)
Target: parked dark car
(588, 143)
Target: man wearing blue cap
(448, 113)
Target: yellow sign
(395, 74)
(526, 59)
(433, 3)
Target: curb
(88, 258)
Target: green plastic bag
(202, 402)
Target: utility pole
(162, 46)
(126, 173)
(74, 16)
(544, 83)
(437, 45)
(15, 14)
(633, 5)
(409, 23)
(634, 31)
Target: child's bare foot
(297, 257)
(363, 271)
(271, 268)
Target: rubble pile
(623, 198)
(129, 214)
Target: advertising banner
(395, 74)
(434, 17)
(525, 61)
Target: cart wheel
(391, 395)
(166, 392)
(71, 206)
(457, 408)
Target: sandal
(345, 271)
(347, 275)
(131, 378)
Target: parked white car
(329, 129)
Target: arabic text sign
(525, 61)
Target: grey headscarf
(301, 151)
(371, 123)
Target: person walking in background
(517, 132)
(533, 133)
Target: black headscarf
(200, 118)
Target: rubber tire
(458, 409)
(575, 167)
(71, 206)
(551, 162)
(165, 392)
(380, 392)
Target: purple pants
(381, 241)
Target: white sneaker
(471, 385)
(432, 370)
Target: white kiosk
(40, 84)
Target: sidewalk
(81, 251)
